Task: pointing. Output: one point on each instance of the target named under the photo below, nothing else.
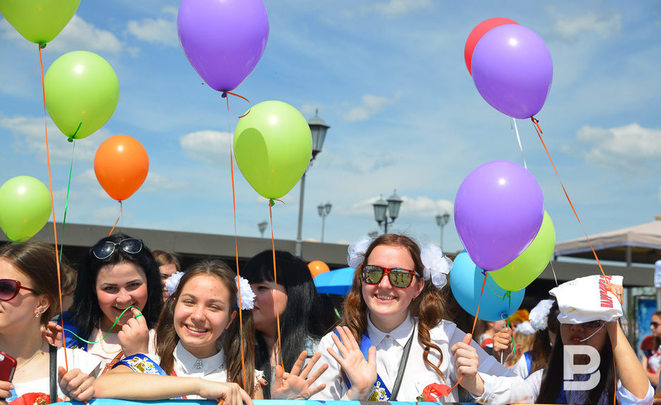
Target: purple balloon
(512, 70)
(498, 211)
(223, 39)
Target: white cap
(587, 299)
(539, 316)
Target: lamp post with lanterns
(318, 128)
(324, 210)
(262, 227)
(384, 209)
(442, 220)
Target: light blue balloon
(466, 284)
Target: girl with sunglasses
(407, 348)
(29, 297)
(117, 300)
(198, 335)
(652, 357)
(589, 308)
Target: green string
(107, 333)
(66, 203)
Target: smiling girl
(198, 338)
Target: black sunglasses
(400, 278)
(105, 249)
(654, 324)
(10, 288)
(592, 324)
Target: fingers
(312, 378)
(296, 368)
(5, 387)
(316, 389)
(308, 367)
(371, 356)
(278, 373)
(243, 396)
(467, 338)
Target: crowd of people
(140, 328)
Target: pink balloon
(477, 34)
(498, 211)
(223, 39)
(512, 69)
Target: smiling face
(202, 313)
(118, 286)
(268, 295)
(389, 305)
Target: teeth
(194, 329)
(385, 297)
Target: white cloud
(155, 30)
(158, 182)
(570, 28)
(209, 146)
(631, 148)
(79, 34)
(423, 206)
(371, 105)
(29, 132)
(394, 8)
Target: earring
(37, 314)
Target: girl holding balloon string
(395, 310)
(117, 301)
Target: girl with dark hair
(544, 320)
(303, 318)
(29, 297)
(117, 300)
(395, 310)
(652, 362)
(198, 335)
(589, 308)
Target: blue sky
(389, 78)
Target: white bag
(588, 299)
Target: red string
(275, 281)
(52, 202)
(121, 212)
(235, 95)
(539, 134)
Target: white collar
(193, 365)
(400, 334)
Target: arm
(466, 363)
(122, 383)
(629, 370)
(361, 373)
(653, 377)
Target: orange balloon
(317, 267)
(121, 165)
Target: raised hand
(502, 343)
(361, 373)
(296, 384)
(134, 336)
(466, 361)
(77, 384)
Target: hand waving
(361, 373)
(296, 384)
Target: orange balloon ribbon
(121, 165)
(224, 95)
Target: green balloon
(39, 21)
(272, 146)
(81, 93)
(524, 269)
(25, 207)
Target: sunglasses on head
(106, 248)
(400, 278)
(654, 324)
(592, 324)
(9, 289)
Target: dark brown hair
(38, 262)
(162, 258)
(427, 306)
(541, 347)
(167, 339)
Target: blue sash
(380, 391)
(72, 342)
(528, 356)
(141, 363)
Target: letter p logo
(570, 368)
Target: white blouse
(417, 374)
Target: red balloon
(121, 165)
(477, 33)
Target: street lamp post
(442, 220)
(387, 208)
(262, 227)
(318, 128)
(324, 210)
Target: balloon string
(52, 202)
(73, 137)
(518, 138)
(121, 212)
(107, 333)
(224, 95)
(236, 254)
(66, 202)
(275, 281)
(539, 134)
